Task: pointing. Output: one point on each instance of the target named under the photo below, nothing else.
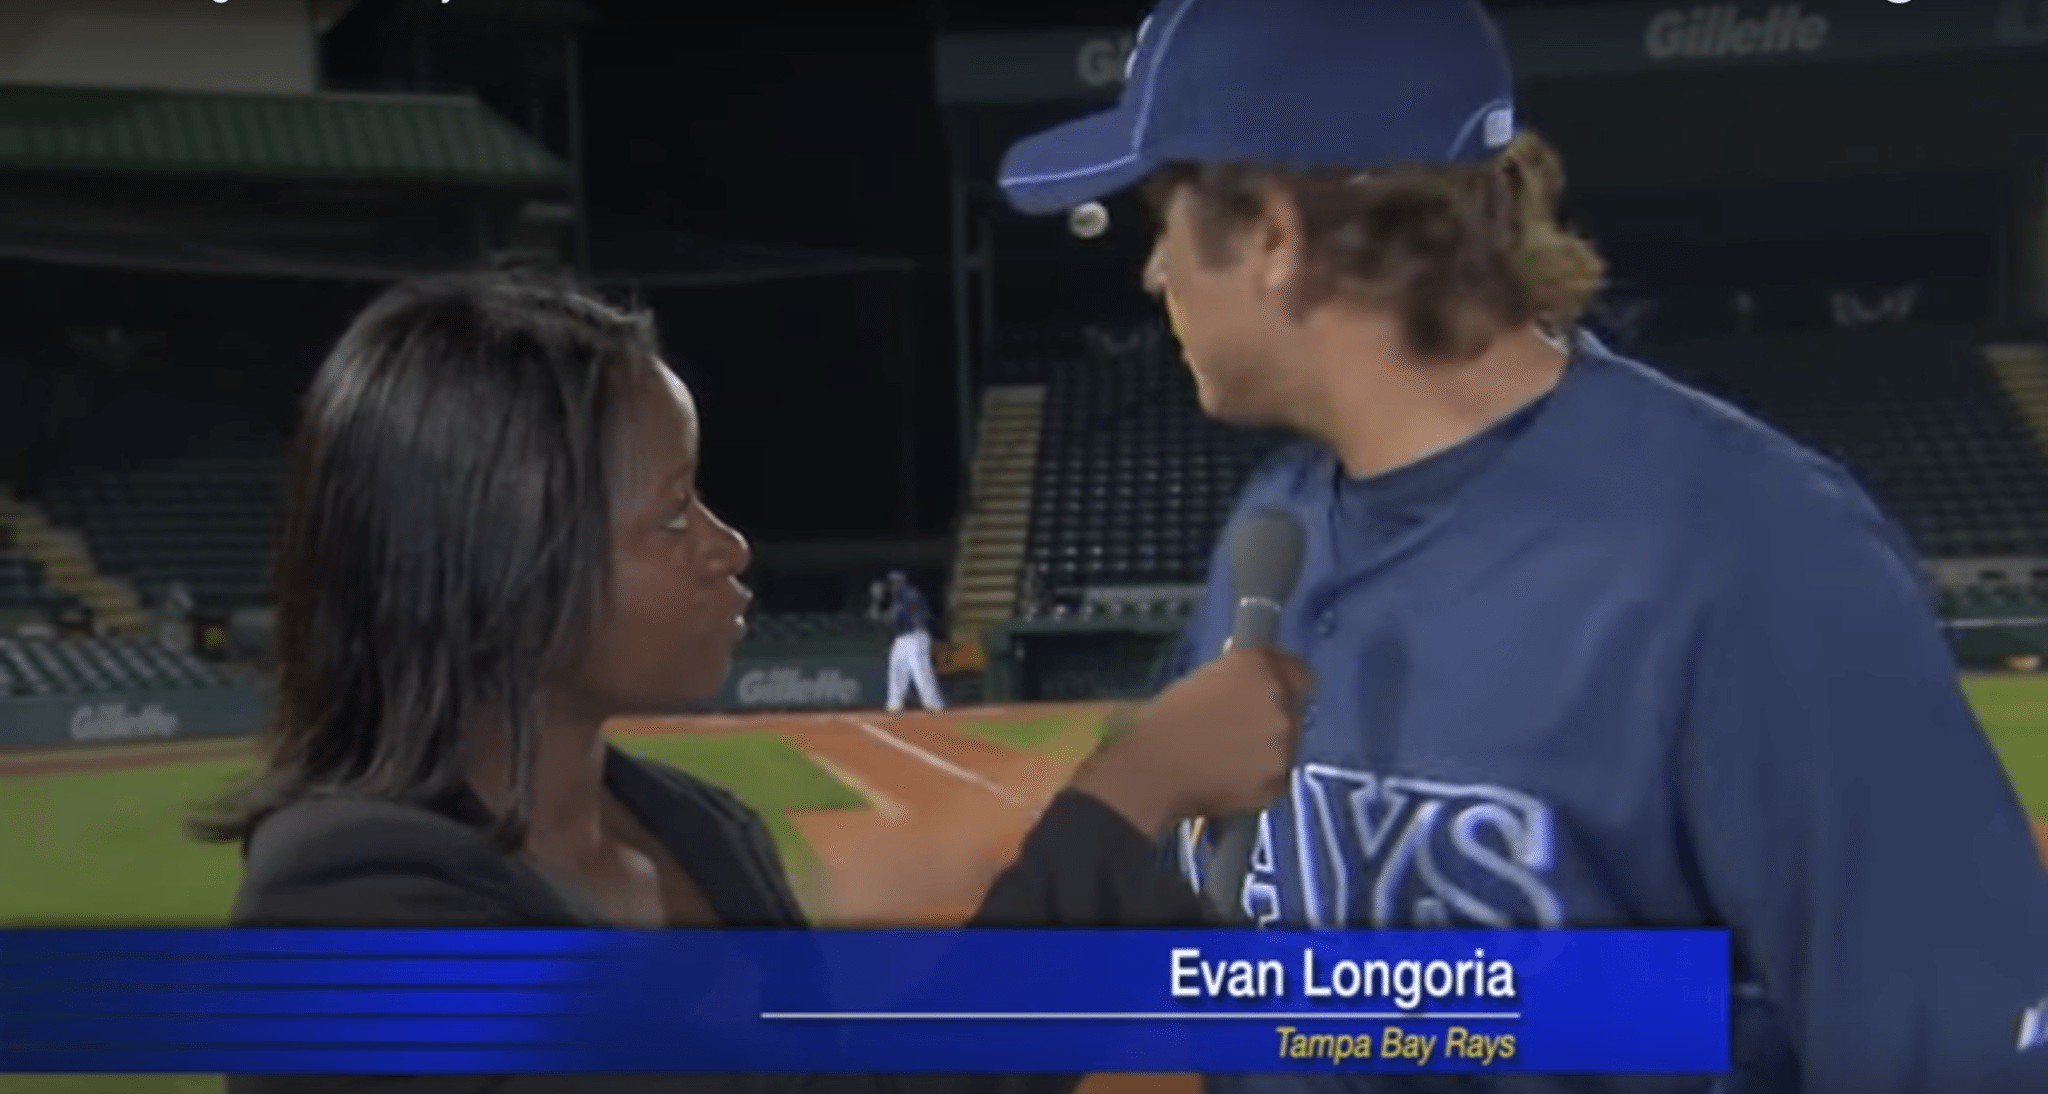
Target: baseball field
(882, 819)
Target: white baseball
(1089, 220)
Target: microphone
(1266, 549)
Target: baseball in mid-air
(1089, 220)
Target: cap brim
(1082, 161)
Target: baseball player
(1592, 649)
(910, 652)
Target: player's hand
(1218, 742)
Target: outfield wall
(802, 680)
(799, 680)
(57, 721)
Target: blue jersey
(907, 612)
(1635, 659)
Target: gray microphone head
(1265, 555)
(1265, 561)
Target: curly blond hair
(1460, 253)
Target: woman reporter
(494, 544)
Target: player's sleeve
(1853, 826)
(1084, 865)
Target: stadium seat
(810, 629)
(1915, 413)
(22, 584)
(209, 522)
(1133, 483)
(39, 666)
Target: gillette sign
(115, 722)
(1105, 62)
(786, 686)
(1715, 31)
(803, 682)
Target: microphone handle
(1236, 837)
(1230, 862)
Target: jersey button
(1326, 624)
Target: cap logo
(1498, 127)
(2034, 1027)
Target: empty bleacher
(809, 628)
(1998, 624)
(1996, 599)
(1029, 354)
(207, 521)
(1133, 483)
(1915, 412)
(36, 666)
(22, 588)
(1132, 479)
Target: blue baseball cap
(1345, 85)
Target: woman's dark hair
(447, 538)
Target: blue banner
(487, 1002)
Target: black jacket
(345, 862)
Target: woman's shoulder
(682, 787)
(735, 849)
(342, 860)
(325, 834)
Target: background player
(910, 652)
(1593, 649)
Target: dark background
(831, 400)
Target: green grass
(1065, 738)
(1041, 735)
(109, 847)
(77, 823)
(106, 846)
(2014, 710)
(766, 771)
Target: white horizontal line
(1128, 1016)
(934, 760)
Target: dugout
(1798, 151)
